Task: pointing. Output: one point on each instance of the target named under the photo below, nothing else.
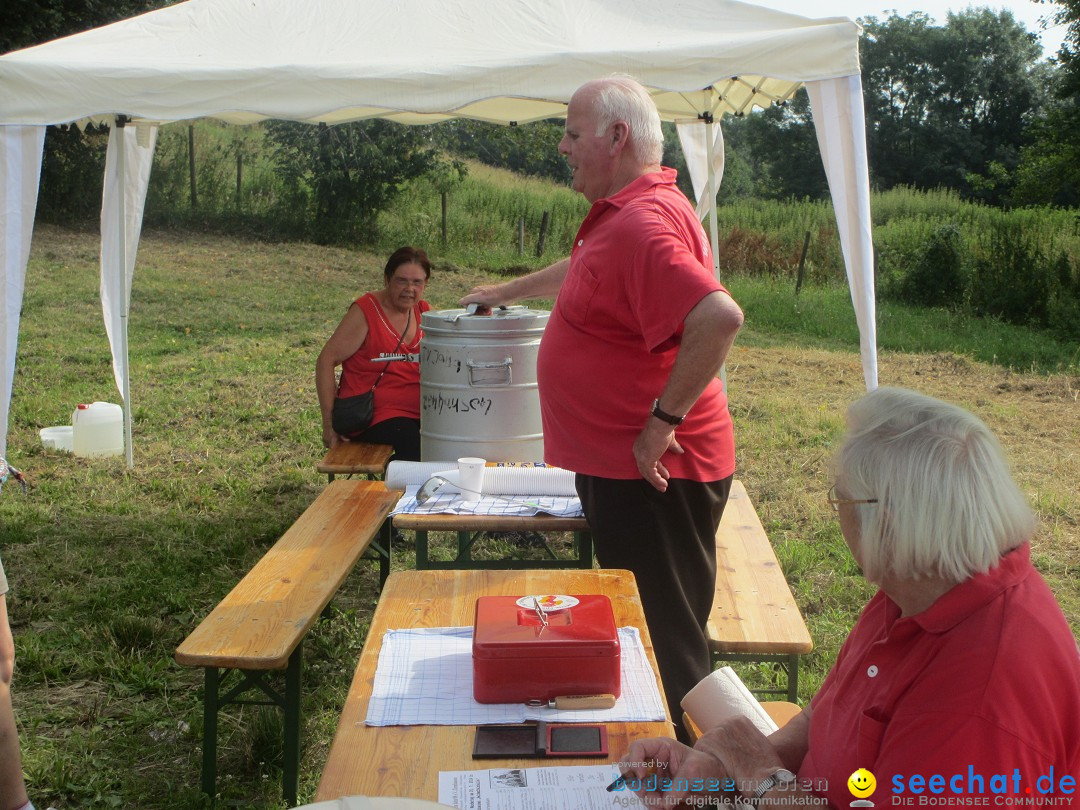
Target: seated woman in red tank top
(380, 335)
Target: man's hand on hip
(656, 439)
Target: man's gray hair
(623, 98)
(947, 505)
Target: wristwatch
(781, 776)
(664, 416)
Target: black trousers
(668, 540)
(400, 432)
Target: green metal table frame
(466, 538)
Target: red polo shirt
(639, 264)
(983, 684)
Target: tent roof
(419, 61)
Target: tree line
(967, 105)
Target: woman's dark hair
(407, 255)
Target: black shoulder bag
(352, 415)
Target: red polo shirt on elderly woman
(977, 697)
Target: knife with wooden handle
(575, 702)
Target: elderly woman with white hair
(960, 682)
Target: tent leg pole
(714, 231)
(121, 170)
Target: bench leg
(290, 779)
(387, 532)
(793, 679)
(210, 713)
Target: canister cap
(510, 319)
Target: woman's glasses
(835, 502)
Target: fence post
(521, 235)
(802, 263)
(544, 222)
(444, 218)
(191, 165)
(239, 175)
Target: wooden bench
(258, 628)
(356, 458)
(754, 616)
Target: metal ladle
(436, 482)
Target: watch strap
(781, 776)
(664, 416)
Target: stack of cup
(471, 475)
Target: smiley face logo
(862, 783)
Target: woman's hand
(664, 772)
(742, 751)
(331, 438)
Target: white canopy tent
(415, 62)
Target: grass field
(111, 568)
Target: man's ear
(620, 135)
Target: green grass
(822, 315)
(111, 568)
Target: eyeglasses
(430, 487)
(835, 502)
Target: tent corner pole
(714, 231)
(121, 171)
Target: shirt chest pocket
(577, 294)
(870, 733)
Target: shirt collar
(962, 600)
(664, 177)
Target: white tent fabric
(694, 138)
(415, 62)
(20, 168)
(127, 174)
(838, 119)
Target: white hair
(947, 505)
(623, 98)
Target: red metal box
(516, 658)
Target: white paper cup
(471, 474)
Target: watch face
(784, 777)
(781, 776)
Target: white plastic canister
(97, 430)
(478, 392)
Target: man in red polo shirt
(627, 370)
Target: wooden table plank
(406, 760)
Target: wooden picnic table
(406, 760)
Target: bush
(1014, 280)
(936, 279)
(1063, 309)
(72, 172)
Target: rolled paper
(498, 480)
(401, 474)
(721, 695)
